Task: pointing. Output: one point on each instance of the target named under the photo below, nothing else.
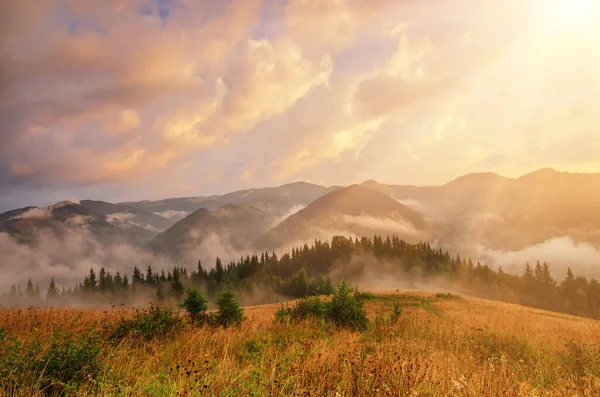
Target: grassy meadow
(440, 345)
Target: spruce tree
(52, 294)
(30, 292)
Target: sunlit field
(440, 345)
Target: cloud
(122, 121)
(302, 89)
(171, 214)
(559, 253)
(384, 225)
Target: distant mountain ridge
(354, 209)
(277, 200)
(24, 224)
(483, 209)
(511, 213)
(229, 226)
(123, 214)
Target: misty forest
(306, 271)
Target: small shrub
(283, 313)
(153, 322)
(346, 308)
(196, 304)
(447, 296)
(309, 307)
(230, 312)
(396, 313)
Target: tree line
(308, 269)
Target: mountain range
(509, 214)
(483, 209)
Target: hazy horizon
(48, 202)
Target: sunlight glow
(569, 12)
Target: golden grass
(440, 347)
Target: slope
(122, 214)
(275, 200)
(229, 228)
(353, 210)
(509, 214)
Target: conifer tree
(30, 292)
(52, 294)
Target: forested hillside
(309, 270)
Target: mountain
(29, 224)
(510, 214)
(26, 224)
(226, 229)
(277, 201)
(123, 215)
(354, 210)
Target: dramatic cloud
(107, 98)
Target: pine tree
(136, 277)
(528, 274)
(219, 270)
(118, 281)
(90, 283)
(30, 292)
(52, 294)
(547, 277)
(102, 282)
(176, 285)
(539, 272)
(149, 276)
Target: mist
(378, 275)
(560, 253)
(384, 225)
(67, 258)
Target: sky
(144, 99)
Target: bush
(153, 322)
(345, 309)
(447, 296)
(396, 313)
(196, 304)
(58, 366)
(312, 307)
(230, 312)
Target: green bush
(312, 307)
(447, 296)
(153, 322)
(57, 366)
(345, 309)
(196, 304)
(230, 312)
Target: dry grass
(439, 347)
